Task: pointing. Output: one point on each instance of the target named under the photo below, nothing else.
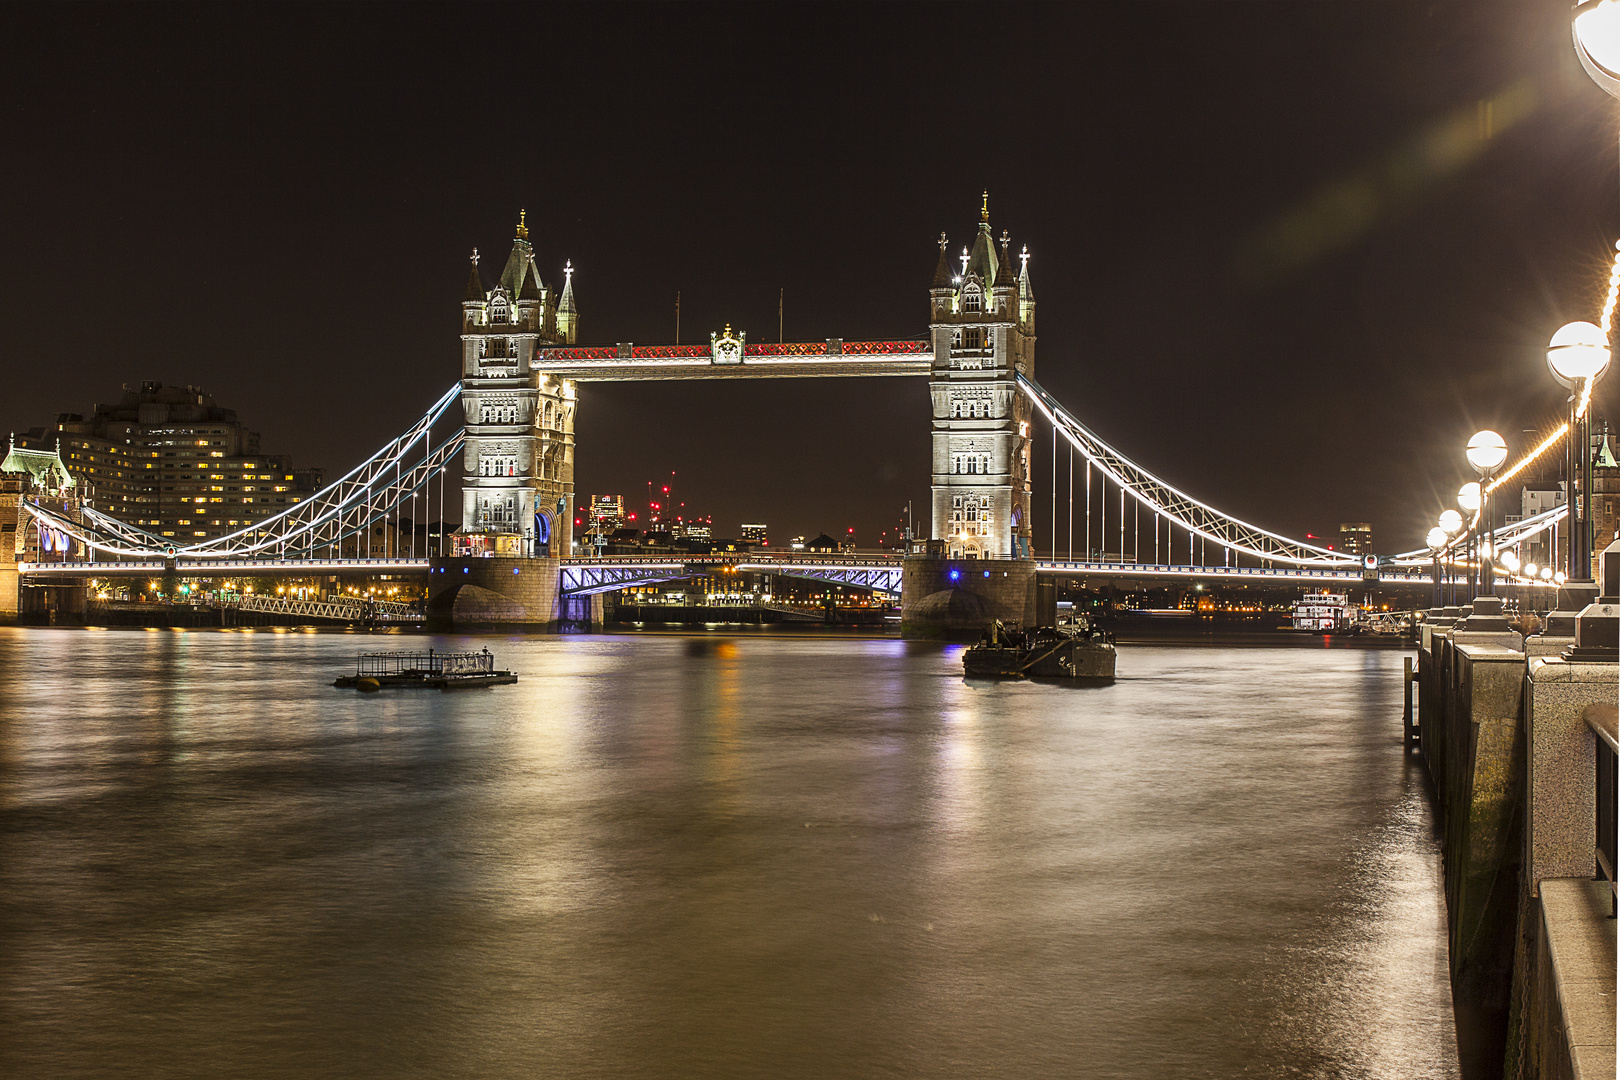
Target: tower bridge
(501, 440)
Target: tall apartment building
(171, 461)
(1355, 537)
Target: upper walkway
(775, 360)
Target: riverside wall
(1507, 736)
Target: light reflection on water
(660, 856)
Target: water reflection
(661, 856)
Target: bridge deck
(589, 574)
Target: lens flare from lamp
(1560, 577)
(1509, 560)
(1486, 450)
(1546, 573)
(1529, 569)
(1580, 350)
(1468, 497)
(1436, 538)
(1451, 522)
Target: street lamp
(1451, 524)
(1436, 541)
(1486, 452)
(1468, 500)
(1578, 352)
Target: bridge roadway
(585, 576)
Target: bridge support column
(507, 593)
(955, 599)
(10, 594)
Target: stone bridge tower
(982, 322)
(517, 495)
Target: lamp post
(1451, 524)
(1468, 501)
(1578, 352)
(1486, 452)
(1436, 541)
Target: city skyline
(1212, 268)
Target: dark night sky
(1275, 259)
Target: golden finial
(984, 211)
(523, 228)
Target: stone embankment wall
(1504, 733)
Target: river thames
(747, 856)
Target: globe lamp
(1579, 350)
(1486, 451)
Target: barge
(1079, 652)
(432, 670)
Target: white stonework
(517, 493)
(982, 322)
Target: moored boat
(432, 669)
(1079, 652)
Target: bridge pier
(955, 599)
(507, 593)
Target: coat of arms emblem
(727, 348)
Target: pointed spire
(1005, 277)
(475, 283)
(566, 304)
(531, 282)
(567, 314)
(984, 211)
(1024, 288)
(942, 272)
(517, 263)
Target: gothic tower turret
(518, 488)
(981, 445)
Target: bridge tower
(982, 322)
(517, 492)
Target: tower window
(972, 301)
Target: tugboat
(433, 670)
(1079, 652)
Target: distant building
(796, 544)
(607, 512)
(1355, 537)
(822, 544)
(171, 461)
(697, 530)
(755, 534)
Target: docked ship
(1079, 652)
(1324, 613)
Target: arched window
(971, 300)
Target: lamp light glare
(1597, 41)
(1436, 538)
(1529, 569)
(1468, 497)
(1451, 522)
(1511, 561)
(1579, 350)
(1486, 451)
